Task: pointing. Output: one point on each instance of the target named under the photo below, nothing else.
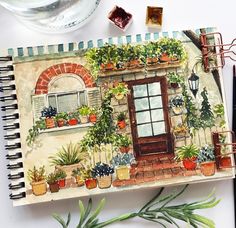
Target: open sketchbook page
(119, 114)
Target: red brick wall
(56, 70)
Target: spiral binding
(7, 88)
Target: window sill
(56, 129)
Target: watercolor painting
(119, 117)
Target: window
(67, 102)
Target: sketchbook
(117, 114)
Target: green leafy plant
(151, 50)
(173, 48)
(187, 151)
(157, 210)
(36, 174)
(175, 78)
(52, 178)
(33, 132)
(121, 116)
(120, 88)
(60, 174)
(84, 110)
(206, 154)
(206, 115)
(122, 140)
(219, 112)
(73, 115)
(61, 116)
(123, 159)
(69, 155)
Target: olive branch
(156, 210)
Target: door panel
(150, 125)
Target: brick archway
(56, 70)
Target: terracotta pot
(83, 119)
(122, 172)
(121, 124)
(39, 188)
(50, 123)
(73, 121)
(124, 149)
(60, 123)
(93, 118)
(165, 58)
(79, 181)
(107, 66)
(208, 168)
(54, 187)
(190, 163)
(134, 63)
(225, 162)
(91, 183)
(104, 181)
(68, 169)
(151, 61)
(62, 183)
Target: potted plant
(123, 142)
(171, 50)
(89, 178)
(133, 55)
(120, 90)
(48, 113)
(73, 118)
(68, 158)
(122, 162)
(188, 155)
(61, 177)
(84, 113)
(37, 178)
(175, 80)
(93, 115)
(109, 56)
(224, 159)
(77, 174)
(121, 120)
(176, 104)
(180, 130)
(53, 182)
(61, 119)
(103, 173)
(151, 52)
(206, 158)
(121, 63)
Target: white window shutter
(38, 103)
(94, 97)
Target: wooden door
(148, 109)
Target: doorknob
(133, 121)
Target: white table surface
(178, 14)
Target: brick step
(155, 175)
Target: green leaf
(81, 207)
(96, 212)
(60, 220)
(68, 219)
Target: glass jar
(52, 16)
